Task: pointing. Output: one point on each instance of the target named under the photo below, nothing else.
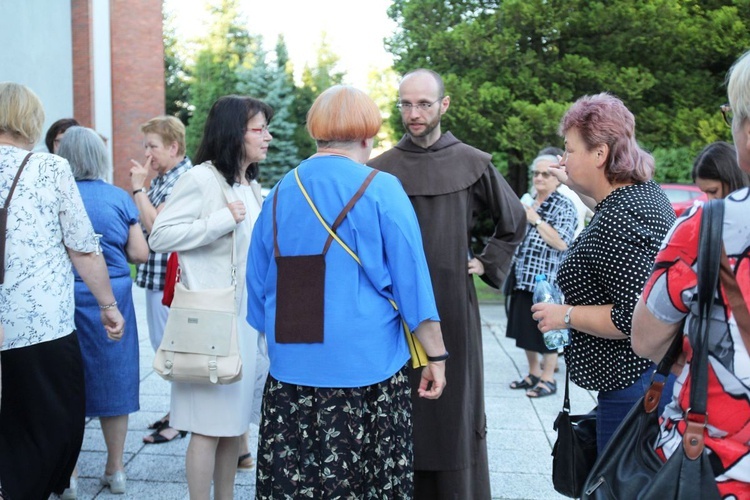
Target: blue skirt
(110, 368)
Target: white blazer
(196, 223)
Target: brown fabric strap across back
(4, 217)
(735, 299)
(342, 215)
(348, 207)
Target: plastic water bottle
(545, 292)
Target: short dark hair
(718, 162)
(223, 141)
(59, 127)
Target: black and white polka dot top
(609, 263)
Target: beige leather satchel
(200, 344)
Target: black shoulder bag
(629, 468)
(574, 452)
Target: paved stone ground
(520, 434)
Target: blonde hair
(738, 87)
(169, 128)
(21, 112)
(343, 114)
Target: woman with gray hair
(551, 219)
(110, 368)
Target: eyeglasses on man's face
(406, 107)
(726, 112)
(537, 173)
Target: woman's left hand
(549, 316)
(113, 323)
(433, 376)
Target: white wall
(36, 50)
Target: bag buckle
(693, 441)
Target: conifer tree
(273, 84)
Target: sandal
(159, 424)
(527, 382)
(158, 438)
(542, 389)
(245, 462)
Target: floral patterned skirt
(336, 443)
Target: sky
(355, 30)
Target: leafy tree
(383, 88)
(274, 85)
(175, 73)
(315, 80)
(224, 50)
(512, 68)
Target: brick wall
(83, 89)
(137, 77)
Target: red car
(682, 196)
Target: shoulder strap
(15, 180)
(4, 217)
(224, 190)
(346, 208)
(332, 230)
(709, 258)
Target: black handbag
(574, 452)
(629, 468)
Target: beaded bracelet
(112, 306)
(442, 357)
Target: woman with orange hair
(335, 245)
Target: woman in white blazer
(210, 201)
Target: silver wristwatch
(566, 319)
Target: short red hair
(343, 114)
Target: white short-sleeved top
(45, 216)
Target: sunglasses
(545, 175)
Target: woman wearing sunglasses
(551, 219)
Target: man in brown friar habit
(450, 184)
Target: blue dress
(110, 368)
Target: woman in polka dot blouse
(604, 271)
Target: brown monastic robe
(450, 184)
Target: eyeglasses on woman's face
(726, 112)
(537, 173)
(259, 130)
